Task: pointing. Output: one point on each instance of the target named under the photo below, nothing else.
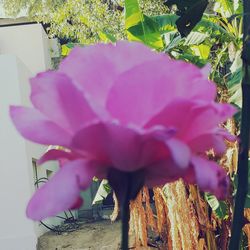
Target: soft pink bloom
(123, 107)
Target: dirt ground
(102, 235)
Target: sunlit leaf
(195, 38)
(237, 63)
(103, 191)
(166, 23)
(106, 37)
(201, 50)
(140, 27)
(219, 207)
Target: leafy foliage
(14, 7)
(81, 21)
(103, 191)
(141, 27)
(219, 208)
(85, 22)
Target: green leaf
(133, 14)
(103, 191)
(234, 87)
(201, 50)
(166, 23)
(192, 59)
(140, 27)
(219, 208)
(66, 48)
(236, 95)
(234, 78)
(229, 9)
(238, 6)
(106, 37)
(223, 7)
(209, 24)
(237, 63)
(195, 38)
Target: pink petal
(94, 68)
(38, 128)
(127, 148)
(217, 114)
(111, 144)
(177, 114)
(62, 192)
(162, 172)
(206, 70)
(190, 119)
(192, 81)
(138, 94)
(213, 140)
(78, 203)
(180, 152)
(209, 176)
(226, 135)
(55, 154)
(54, 95)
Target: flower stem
(242, 189)
(126, 186)
(125, 224)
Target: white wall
(24, 52)
(16, 232)
(29, 43)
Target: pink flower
(123, 107)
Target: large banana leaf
(166, 23)
(207, 25)
(227, 8)
(210, 25)
(150, 30)
(224, 7)
(195, 38)
(141, 27)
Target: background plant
(215, 37)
